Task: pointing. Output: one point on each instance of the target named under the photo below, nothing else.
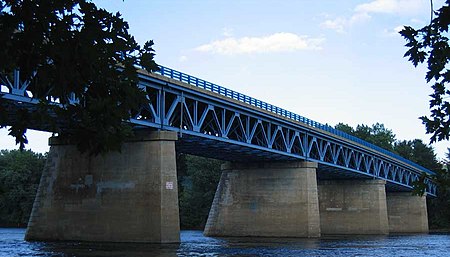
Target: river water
(193, 243)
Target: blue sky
(330, 61)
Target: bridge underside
(213, 146)
(218, 148)
(226, 151)
(11, 107)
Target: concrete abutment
(407, 213)
(353, 207)
(117, 197)
(277, 199)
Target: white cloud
(393, 32)
(340, 24)
(183, 58)
(359, 17)
(278, 42)
(398, 28)
(363, 12)
(227, 32)
(407, 7)
(417, 21)
(337, 24)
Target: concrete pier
(266, 200)
(353, 207)
(407, 213)
(117, 197)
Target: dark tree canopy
(439, 208)
(422, 154)
(430, 44)
(418, 152)
(19, 179)
(72, 46)
(198, 179)
(376, 134)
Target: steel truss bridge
(220, 123)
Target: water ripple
(193, 243)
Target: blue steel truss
(217, 122)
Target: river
(193, 243)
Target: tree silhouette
(430, 44)
(65, 47)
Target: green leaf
(72, 46)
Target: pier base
(266, 200)
(407, 213)
(353, 207)
(117, 197)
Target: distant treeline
(197, 182)
(198, 178)
(20, 173)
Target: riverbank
(440, 231)
(11, 225)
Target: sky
(330, 61)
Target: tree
(197, 190)
(65, 47)
(19, 179)
(377, 134)
(439, 207)
(345, 128)
(418, 152)
(430, 44)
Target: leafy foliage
(197, 189)
(377, 134)
(418, 152)
(19, 179)
(439, 208)
(71, 46)
(430, 44)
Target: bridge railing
(194, 81)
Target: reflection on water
(193, 243)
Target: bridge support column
(353, 207)
(266, 199)
(118, 197)
(407, 213)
